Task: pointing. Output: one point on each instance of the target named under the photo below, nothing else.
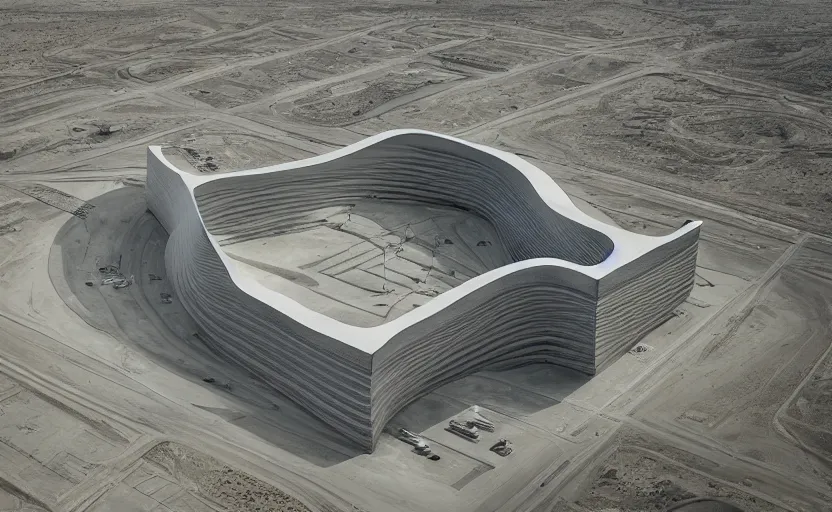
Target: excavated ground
(650, 112)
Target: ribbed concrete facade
(579, 294)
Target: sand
(650, 112)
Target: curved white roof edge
(628, 246)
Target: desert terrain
(647, 112)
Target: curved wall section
(579, 293)
(415, 168)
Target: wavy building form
(579, 293)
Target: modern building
(570, 289)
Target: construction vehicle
(502, 448)
(467, 430)
(480, 421)
(121, 282)
(113, 276)
(419, 445)
(108, 269)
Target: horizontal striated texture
(409, 168)
(653, 286)
(539, 315)
(578, 295)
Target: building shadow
(119, 231)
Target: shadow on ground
(120, 232)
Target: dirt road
(649, 112)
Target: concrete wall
(407, 168)
(538, 311)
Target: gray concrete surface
(574, 291)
